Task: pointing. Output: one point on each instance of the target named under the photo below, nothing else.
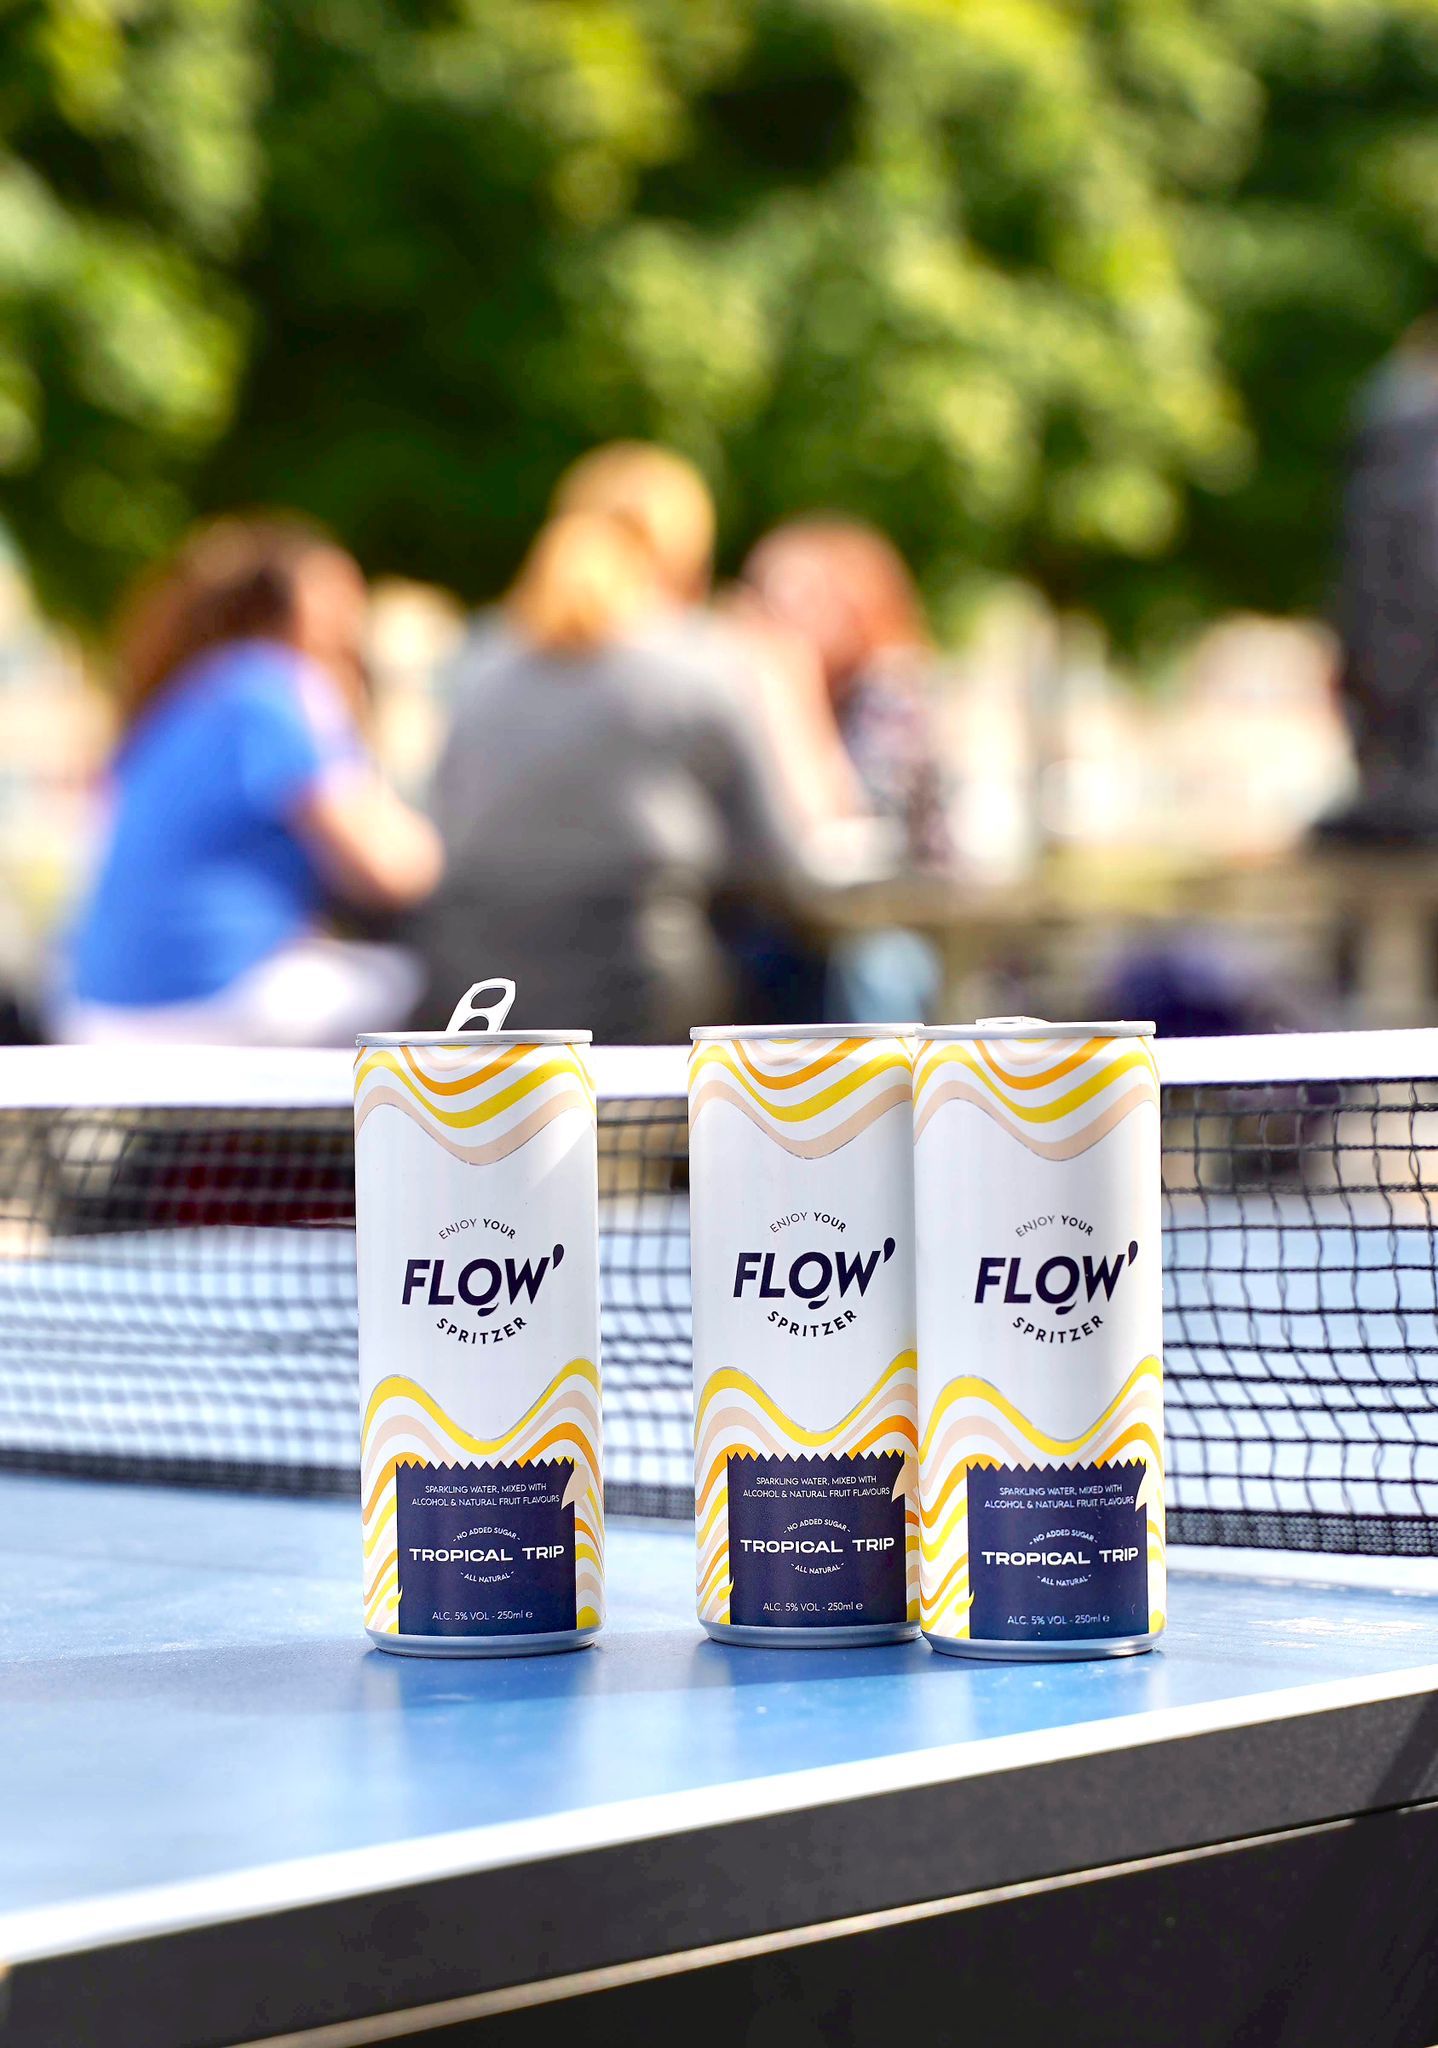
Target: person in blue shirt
(243, 803)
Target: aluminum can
(476, 1207)
(1040, 1297)
(801, 1223)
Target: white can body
(1040, 1317)
(801, 1224)
(476, 1206)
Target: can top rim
(777, 1031)
(1037, 1027)
(475, 1041)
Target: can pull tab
(470, 1010)
(1004, 1023)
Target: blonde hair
(660, 496)
(584, 582)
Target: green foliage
(1077, 289)
(129, 174)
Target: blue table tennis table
(228, 1820)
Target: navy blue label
(816, 1542)
(485, 1549)
(1055, 1556)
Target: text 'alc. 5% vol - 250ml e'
(1037, 1197)
(801, 1231)
(476, 1199)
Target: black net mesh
(177, 1297)
(1300, 1291)
(177, 1303)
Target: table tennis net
(177, 1285)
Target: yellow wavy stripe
(386, 1536)
(533, 1451)
(381, 1524)
(960, 1565)
(1023, 1055)
(512, 1137)
(885, 1438)
(958, 1602)
(968, 1388)
(462, 1079)
(1075, 1139)
(572, 1446)
(575, 1385)
(859, 1430)
(717, 1570)
(955, 1480)
(1062, 1105)
(1038, 1077)
(930, 1546)
(465, 1083)
(1129, 1425)
(382, 1578)
(1031, 1063)
(824, 1143)
(706, 1527)
(730, 1381)
(397, 1388)
(832, 1056)
(812, 1106)
(565, 1435)
(891, 1431)
(1141, 1433)
(886, 1427)
(549, 1069)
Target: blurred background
(1007, 579)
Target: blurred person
(243, 800)
(601, 781)
(780, 973)
(1387, 611)
(662, 498)
(1201, 984)
(785, 682)
(843, 591)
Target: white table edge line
(262, 1889)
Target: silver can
(476, 1208)
(1040, 1316)
(801, 1222)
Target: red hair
(233, 579)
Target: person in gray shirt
(601, 781)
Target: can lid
(779, 1031)
(1035, 1027)
(470, 1010)
(475, 1041)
